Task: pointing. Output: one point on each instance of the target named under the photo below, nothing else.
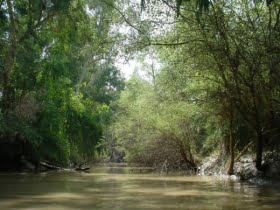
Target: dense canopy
(207, 82)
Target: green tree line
(57, 77)
(217, 90)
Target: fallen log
(82, 169)
(50, 166)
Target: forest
(207, 82)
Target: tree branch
(37, 26)
(126, 20)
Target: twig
(243, 151)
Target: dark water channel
(131, 188)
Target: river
(131, 188)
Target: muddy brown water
(127, 188)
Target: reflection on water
(131, 188)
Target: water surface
(131, 188)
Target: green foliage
(57, 43)
(218, 80)
(217, 89)
(200, 4)
(152, 131)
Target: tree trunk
(190, 163)
(7, 88)
(231, 149)
(9, 62)
(225, 146)
(259, 150)
(231, 143)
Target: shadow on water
(131, 188)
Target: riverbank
(244, 168)
(213, 165)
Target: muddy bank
(244, 168)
